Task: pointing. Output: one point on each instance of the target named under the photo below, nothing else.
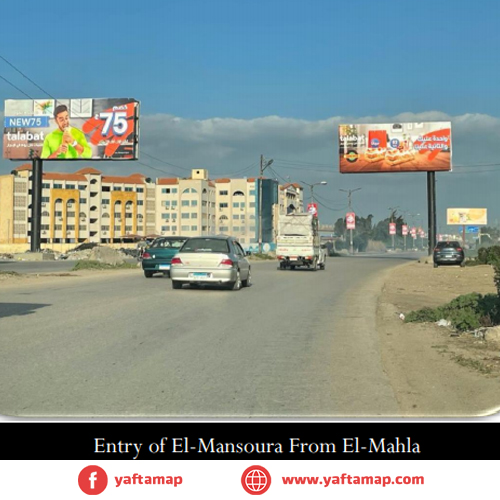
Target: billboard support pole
(431, 204)
(36, 204)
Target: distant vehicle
(448, 252)
(211, 260)
(156, 258)
(298, 244)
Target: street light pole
(263, 165)
(349, 195)
(393, 210)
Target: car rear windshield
(206, 245)
(448, 244)
(167, 243)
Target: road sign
(472, 229)
(312, 208)
(392, 228)
(350, 220)
(404, 229)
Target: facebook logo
(92, 480)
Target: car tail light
(459, 249)
(226, 262)
(175, 260)
(146, 255)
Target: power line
(25, 76)
(17, 88)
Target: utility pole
(393, 211)
(349, 196)
(263, 165)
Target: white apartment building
(89, 206)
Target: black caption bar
(248, 441)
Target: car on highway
(211, 260)
(158, 255)
(449, 252)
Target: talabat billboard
(395, 147)
(71, 129)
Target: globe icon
(256, 480)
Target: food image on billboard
(71, 129)
(395, 147)
(467, 216)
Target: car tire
(236, 285)
(292, 268)
(148, 274)
(176, 285)
(248, 281)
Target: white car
(211, 260)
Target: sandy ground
(435, 372)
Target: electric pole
(349, 196)
(263, 165)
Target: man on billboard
(65, 142)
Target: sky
(222, 82)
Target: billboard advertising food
(395, 147)
(71, 129)
(467, 216)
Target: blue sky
(303, 62)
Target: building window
(70, 186)
(194, 215)
(194, 203)
(236, 217)
(140, 203)
(45, 199)
(129, 189)
(223, 205)
(106, 189)
(252, 204)
(223, 193)
(165, 228)
(236, 205)
(58, 186)
(174, 203)
(184, 216)
(165, 216)
(238, 193)
(105, 202)
(184, 228)
(185, 203)
(194, 228)
(83, 201)
(252, 192)
(117, 188)
(45, 185)
(140, 190)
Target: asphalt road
(295, 344)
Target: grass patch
(472, 364)
(466, 312)
(95, 265)
(9, 273)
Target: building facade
(89, 206)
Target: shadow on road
(18, 309)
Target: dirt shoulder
(433, 371)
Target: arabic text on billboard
(467, 216)
(395, 147)
(71, 129)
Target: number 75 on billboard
(71, 129)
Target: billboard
(467, 216)
(71, 129)
(395, 147)
(392, 228)
(404, 230)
